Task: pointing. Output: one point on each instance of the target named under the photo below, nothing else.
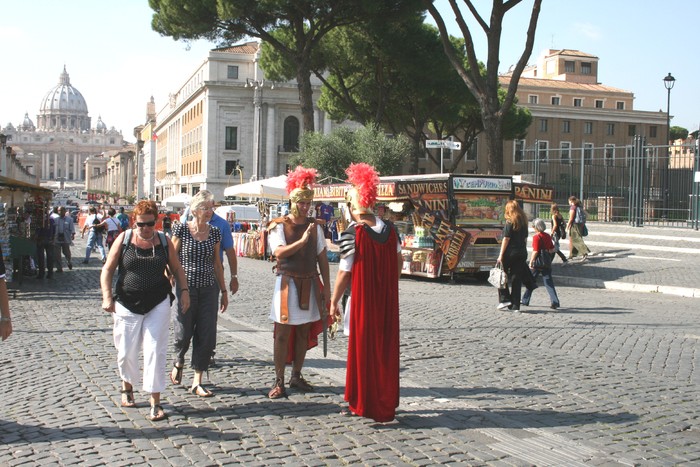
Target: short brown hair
(146, 207)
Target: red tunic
(372, 379)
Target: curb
(624, 286)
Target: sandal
(298, 382)
(157, 413)
(277, 390)
(201, 391)
(177, 379)
(128, 398)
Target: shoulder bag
(498, 277)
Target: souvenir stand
(248, 223)
(20, 204)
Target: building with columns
(227, 118)
(112, 172)
(57, 147)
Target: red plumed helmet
(365, 179)
(302, 178)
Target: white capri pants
(132, 332)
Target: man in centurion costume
(299, 301)
(370, 264)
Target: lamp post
(669, 81)
(258, 86)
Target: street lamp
(258, 86)
(669, 81)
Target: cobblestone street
(610, 379)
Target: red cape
(372, 378)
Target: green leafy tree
(678, 132)
(485, 87)
(292, 27)
(332, 154)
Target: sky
(118, 62)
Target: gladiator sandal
(277, 390)
(298, 382)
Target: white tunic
(296, 314)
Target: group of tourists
(149, 265)
(513, 254)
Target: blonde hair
(515, 215)
(204, 196)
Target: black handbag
(543, 260)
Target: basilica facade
(56, 148)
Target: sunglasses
(146, 224)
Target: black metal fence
(638, 184)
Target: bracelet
(5, 319)
(234, 276)
(184, 290)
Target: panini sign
(534, 193)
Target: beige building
(57, 147)
(227, 122)
(113, 173)
(573, 116)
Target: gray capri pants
(198, 325)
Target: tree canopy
(485, 88)
(332, 154)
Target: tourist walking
(300, 299)
(513, 257)
(558, 230)
(65, 234)
(541, 263)
(5, 316)
(140, 304)
(575, 227)
(370, 265)
(95, 230)
(197, 244)
(45, 249)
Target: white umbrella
(179, 200)
(269, 188)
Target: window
(565, 152)
(230, 166)
(556, 100)
(291, 134)
(231, 138)
(542, 150)
(610, 129)
(472, 151)
(620, 105)
(532, 99)
(632, 130)
(518, 150)
(586, 68)
(232, 72)
(587, 152)
(598, 103)
(543, 124)
(588, 128)
(569, 67)
(609, 154)
(566, 126)
(652, 131)
(578, 102)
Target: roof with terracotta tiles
(245, 48)
(559, 84)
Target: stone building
(226, 119)
(58, 145)
(573, 116)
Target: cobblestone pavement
(611, 379)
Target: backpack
(123, 221)
(96, 221)
(112, 234)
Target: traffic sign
(453, 145)
(434, 143)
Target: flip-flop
(201, 391)
(177, 380)
(128, 401)
(157, 413)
